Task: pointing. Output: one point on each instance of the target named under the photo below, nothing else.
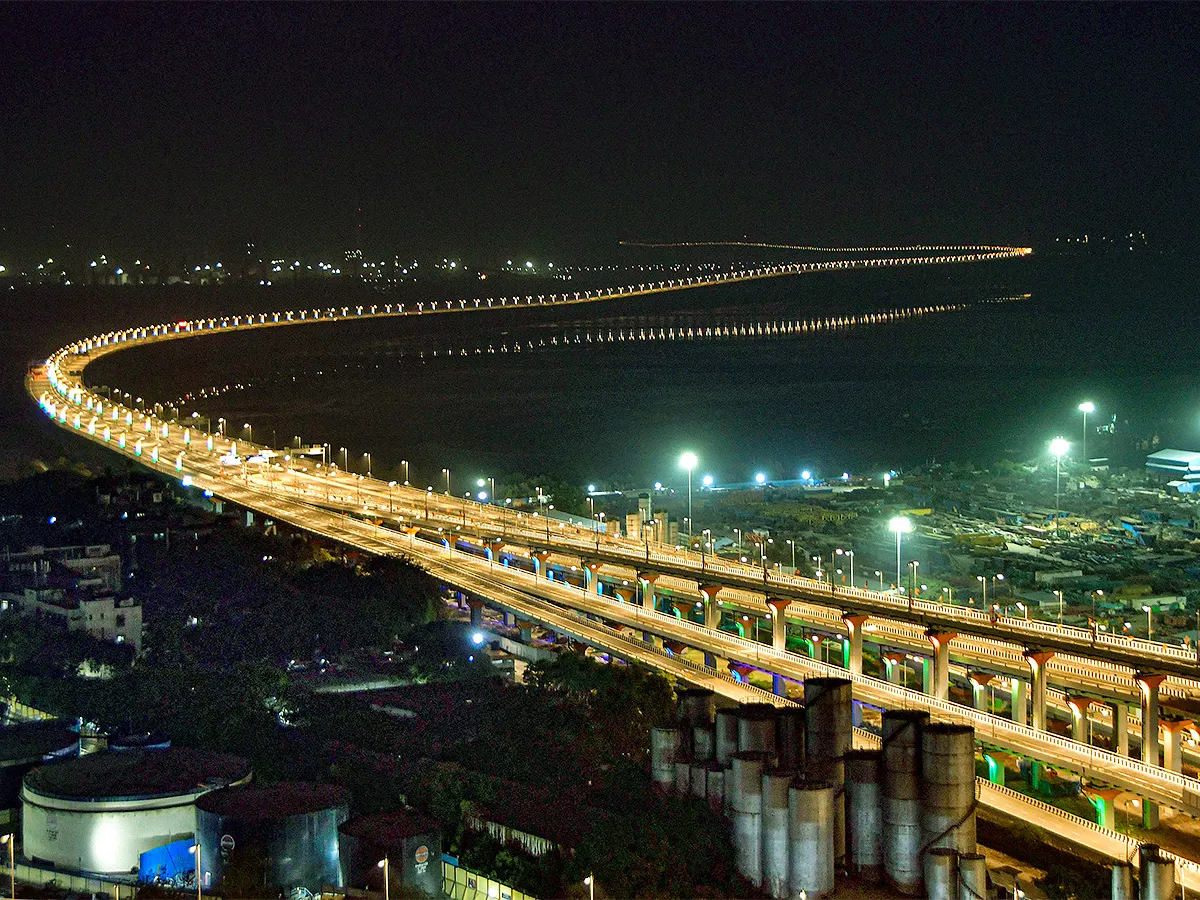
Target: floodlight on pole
(1087, 406)
(1058, 447)
(901, 525)
(688, 461)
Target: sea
(859, 371)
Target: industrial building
(289, 828)
(98, 813)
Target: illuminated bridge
(653, 603)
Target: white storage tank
(99, 813)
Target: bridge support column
(476, 612)
(526, 629)
(926, 675)
(647, 580)
(510, 619)
(592, 573)
(1037, 660)
(1079, 718)
(1104, 800)
(893, 663)
(539, 558)
(1149, 685)
(1149, 814)
(980, 682)
(1172, 733)
(712, 609)
(854, 627)
(941, 662)
(778, 622)
(740, 671)
(625, 594)
(996, 761)
(1019, 694)
(1120, 727)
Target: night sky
(494, 129)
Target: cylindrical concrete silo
(948, 787)
(1122, 881)
(683, 777)
(1156, 873)
(789, 738)
(941, 877)
(704, 742)
(775, 817)
(864, 813)
(714, 792)
(698, 780)
(810, 838)
(697, 706)
(756, 729)
(412, 845)
(744, 797)
(664, 747)
(727, 735)
(902, 799)
(972, 876)
(828, 733)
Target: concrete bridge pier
(1037, 660)
(1104, 799)
(526, 629)
(778, 622)
(1172, 733)
(1019, 693)
(591, 571)
(539, 558)
(893, 664)
(625, 594)
(476, 612)
(1079, 718)
(980, 682)
(1120, 727)
(1149, 686)
(647, 580)
(712, 609)
(510, 619)
(941, 663)
(854, 627)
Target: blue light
(760, 478)
(806, 475)
(52, 520)
(477, 638)
(186, 481)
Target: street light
(983, 581)
(879, 575)
(446, 472)
(1149, 622)
(590, 881)
(1086, 407)
(850, 555)
(792, 544)
(404, 462)
(249, 430)
(688, 461)
(195, 851)
(1058, 447)
(902, 526)
(385, 864)
(368, 456)
(1023, 608)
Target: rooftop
(388, 829)
(34, 740)
(287, 798)
(137, 774)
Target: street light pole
(404, 462)
(901, 525)
(386, 866)
(11, 840)
(688, 461)
(195, 849)
(446, 472)
(1086, 407)
(1058, 447)
(1149, 622)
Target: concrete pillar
(778, 622)
(712, 611)
(625, 594)
(778, 685)
(1149, 814)
(591, 572)
(1149, 685)
(648, 579)
(893, 662)
(740, 671)
(539, 558)
(510, 619)
(1037, 660)
(675, 647)
(941, 662)
(1104, 800)
(476, 612)
(1019, 692)
(854, 626)
(1079, 718)
(652, 639)
(996, 761)
(926, 676)
(526, 629)
(1172, 733)
(1120, 727)
(979, 689)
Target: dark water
(985, 380)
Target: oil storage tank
(286, 832)
(27, 745)
(99, 813)
(411, 844)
